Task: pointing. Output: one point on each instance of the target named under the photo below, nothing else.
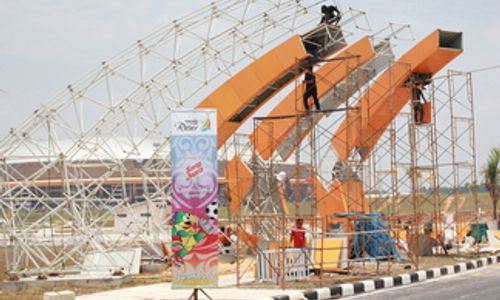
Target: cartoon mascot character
(186, 233)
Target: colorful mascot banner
(195, 206)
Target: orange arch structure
(365, 125)
(238, 98)
(242, 94)
(271, 133)
(239, 182)
(342, 197)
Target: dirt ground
(225, 267)
(358, 271)
(37, 294)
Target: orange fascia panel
(219, 99)
(225, 131)
(343, 197)
(207, 103)
(359, 123)
(260, 74)
(290, 52)
(264, 68)
(241, 89)
(247, 85)
(387, 97)
(250, 240)
(382, 109)
(262, 139)
(271, 133)
(371, 133)
(354, 196)
(329, 202)
(335, 71)
(344, 139)
(427, 116)
(239, 182)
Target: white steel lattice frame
(82, 143)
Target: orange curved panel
(247, 90)
(375, 128)
(385, 99)
(427, 117)
(250, 240)
(330, 202)
(263, 67)
(226, 131)
(354, 196)
(343, 197)
(271, 133)
(247, 85)
(239, 182)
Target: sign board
(194, 192)
(296, 260)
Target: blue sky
(45, 45)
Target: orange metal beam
(240, 92)
(271, 133)
(343, 197)
(381, 104)
(239, 181)
(329, 203)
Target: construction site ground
(157, 286)
(358, 271)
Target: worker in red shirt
(298, 234)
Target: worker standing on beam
(311, 89)
(330, 14)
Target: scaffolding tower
(423, 176)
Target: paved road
(483, 284)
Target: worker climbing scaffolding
(417, 85)
(418, 100)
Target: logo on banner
(193, 125)
(194, 170)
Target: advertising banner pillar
(195, 224)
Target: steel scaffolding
(424, 175)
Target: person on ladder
(311, 89)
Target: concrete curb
(365, 286)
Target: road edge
(365, 286)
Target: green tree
(491, 178)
